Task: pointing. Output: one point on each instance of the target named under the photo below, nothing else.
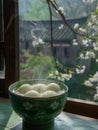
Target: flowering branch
(62, 14)
(51, 30)
(58, 75)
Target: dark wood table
(9, 120)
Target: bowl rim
(37, 98)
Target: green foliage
(36, 66)
(76, 87)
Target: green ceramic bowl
(40, 110)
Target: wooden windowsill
(81, 107)
(4, 100)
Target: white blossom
(60, 76)
(61, 26)
(84, 42)
(76, 26)
(37, 41)
(93, 79)
(81, 70)
(82, 56)
(96, 87)
(82, 30)
(88, 1)
(56, 72)
(87, 55)
(75, 43)
(67, 76)
(96, 74)
(96, 97)
(97, 7)
(89, 24)
(90, 54)
(40, 40)
(51, 75)
(88, 83)
(97, 90)
(52, 0)
(95, 46)
(61, 10)
(94, 20)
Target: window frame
(10, 45)
(11, 49)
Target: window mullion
(11, 42)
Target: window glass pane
(69, 55)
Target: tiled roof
(41, 29)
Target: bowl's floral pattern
(28, 106)
(54, 105)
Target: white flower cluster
(75, 43)
(86, 42)
(93, 24)
(82, 30)
(87, 55)
(95, 46)
(37, 41)
(96, 60)
(81, 69)
(96, 95)
(88, 83)
(94, 78)
(60, 76)
(91, 81)
(61, 9)
(61, 26)
(94, 18)
(76, 26)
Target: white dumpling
(39, 87)
(32, 93)
(61, 92)
(24, 88)
(17, 92)
(53, 86)
(49, 93)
